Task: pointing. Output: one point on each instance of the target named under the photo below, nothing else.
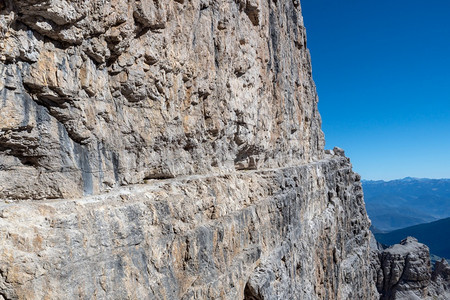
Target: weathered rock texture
(291, 233)
(98, 93)
(210, 106)
(403, 271)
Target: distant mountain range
(405, 202)
(435, 235)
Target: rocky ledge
(291, 233)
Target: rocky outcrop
(440, 278)
(403, 271)
(170, 150)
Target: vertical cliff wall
(170, 150)
(97, 94)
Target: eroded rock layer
(95, 94)
(290, 233)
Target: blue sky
(382, 70)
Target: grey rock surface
(403, 271)
(441, 278)
(289, 233)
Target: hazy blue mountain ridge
(435, 235)
(405, 202)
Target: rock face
(403, 272)
(180, 142)
(97, 94)
(290, 233)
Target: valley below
(417, 207)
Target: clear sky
(382, 70)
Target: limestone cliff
(170, 150)
(98, 93)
